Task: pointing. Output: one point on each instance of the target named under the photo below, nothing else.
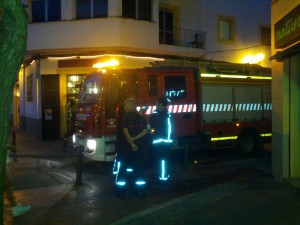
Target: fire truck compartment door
(217, 103)
(248, 103)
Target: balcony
(183, 37)
(92, 36)
(100, 34)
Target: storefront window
(74, 86)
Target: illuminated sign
(287, 30)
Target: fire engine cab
(210, 105)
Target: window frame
(92, 13)
(137, 14)
(232, 29)
(46, 11)
(166, 36)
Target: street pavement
(212, 190)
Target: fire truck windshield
(91, 90)
(117, 89)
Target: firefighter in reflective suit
(161, 125)
(133, 154)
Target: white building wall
(117, 33)
(67, 10)
(114, 8)
(249, 15)
(113, 33)
(29, 109)
(92, 34)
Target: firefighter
(120, 135)
(133, 154)
(161, 125)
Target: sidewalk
(240, 192)
(29, 145)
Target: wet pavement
(215, 189)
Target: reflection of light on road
(91, 191)
(67, 177)
(51, 164)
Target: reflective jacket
(161, 123)
(135, 123)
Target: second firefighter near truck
(161, 125)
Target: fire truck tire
(249, 142)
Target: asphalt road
(38, 171)
(48, 185)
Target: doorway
(50, 107)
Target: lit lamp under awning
(110, 63)
(253, 59)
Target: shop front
(286, 94)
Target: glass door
(74, 85)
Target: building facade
(67, 37)
(238, 31)
(285, 87)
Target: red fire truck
(211, 105)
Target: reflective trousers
(162, 153)
(131, 168)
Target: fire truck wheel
(249, 142)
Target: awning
(291, 51)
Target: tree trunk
(13, 40)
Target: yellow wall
(286, 109)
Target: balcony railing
(183, 37)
